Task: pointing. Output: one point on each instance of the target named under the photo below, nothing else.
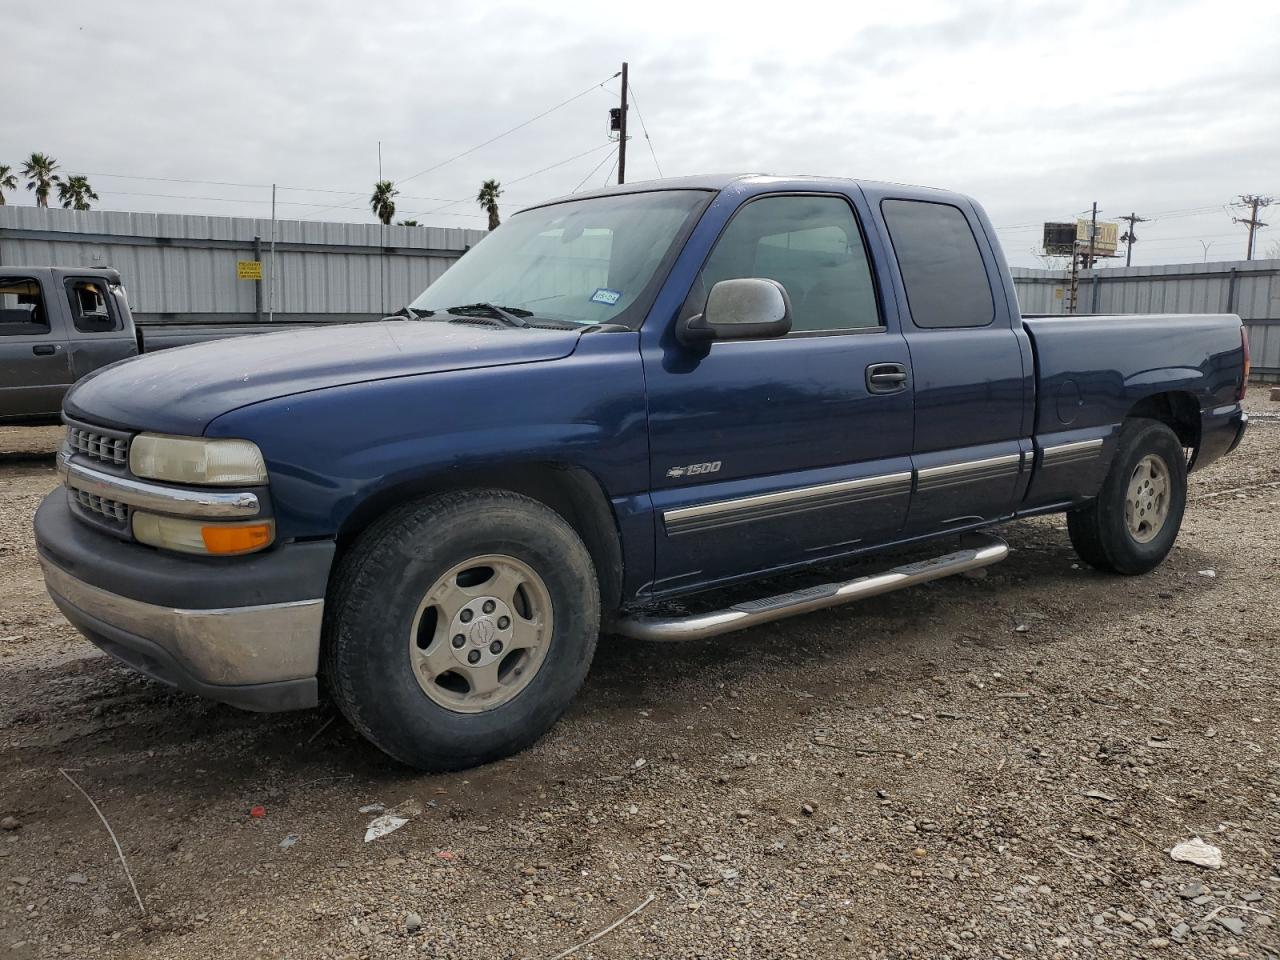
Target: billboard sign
(1104, 243)
(1059, 239)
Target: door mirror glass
(750, 308)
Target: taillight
(1244, 345)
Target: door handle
(45, 349)
(886, 377)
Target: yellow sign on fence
(248, 269)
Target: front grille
(110, 516)
(113, 512)
(98, 444)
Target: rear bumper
(245, 633)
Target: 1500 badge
(694, 469)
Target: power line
(519, 126)
(591, 174)
(187, 196)
(551, 166)
(1176, 214)
(643, 128)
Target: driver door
(770, 453)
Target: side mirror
(751, 308)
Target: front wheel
(1131, 526)
(461, 627)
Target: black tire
(375, 597)
(1099, 531)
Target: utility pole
(1255, 203)
(1074, 289)
(1093, 232)
(622, 129)
(1130, 238)
(382, 248)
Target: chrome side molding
(968, 471)
(754, 612)
(717, 513)
(1075, 452)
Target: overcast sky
(1162, 107)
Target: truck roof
(719, 181)
(109, 274)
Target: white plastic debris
(391, 821)
(383, 825)
(288, 841)
(1198, 852)
(372, 808)
(1208, 573)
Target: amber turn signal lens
(237, 539)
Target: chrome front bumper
(231, 645)
(262, 658)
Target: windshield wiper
(409, 313)
(511, 316)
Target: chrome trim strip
(719, 507)
(227, 645)
(1078, 449)
(753, 612)
(968, 466)
(152, 496)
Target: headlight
(197, 461)
(202, 536)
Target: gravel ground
(983, 767)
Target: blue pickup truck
(615, 399)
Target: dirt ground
(982, 767)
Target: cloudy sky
(1163, 107)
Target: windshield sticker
(606, 296)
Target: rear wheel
(1132, 524)
(461, 627)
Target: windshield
(583, 261)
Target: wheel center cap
(481, 632)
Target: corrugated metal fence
(183, 268)
(1250, 288)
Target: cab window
(90, 308)
(22, 312)
(941, 265)
(813, 247)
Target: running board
(753, 612)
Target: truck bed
(1101, 363)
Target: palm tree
(75, 193)
(490, 191)
(408, 223)
(7, 181)
(39, 171)
(382, 202)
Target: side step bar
(753, 612)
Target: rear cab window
(91, 307)
(941, 264)
(22, 308)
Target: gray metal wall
(1250, 288)
(183, 268)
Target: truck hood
(181, 390)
